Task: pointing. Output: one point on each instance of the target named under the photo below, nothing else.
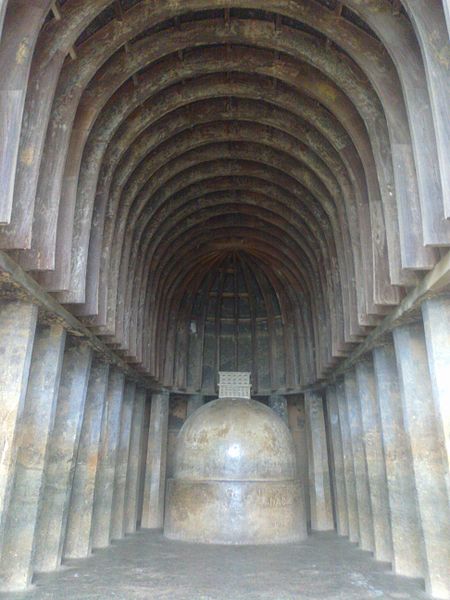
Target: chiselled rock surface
(235, 478)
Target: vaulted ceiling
(149, 146)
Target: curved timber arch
(173, 126)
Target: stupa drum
(235, 478)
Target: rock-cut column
(376, 469)
(106, 469)
(338, 462)
(319, 472)
(155, 475)
(406, 544)
(61, 456)
(134, 463)
(17, 329)
(16, 565)
(77, 543)
(143, 468)
(123, 452)
(349, 470)
(366, 538)
(436, 319)
(297, 426)
(428, 455)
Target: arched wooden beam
(185, 213)
(241, 131)
(118, 236)
(212, 87)
(397, 34)
(52, 48)
(266, 177)
(365, 11)
(268, 239)
(22, 24)
(142, 285)
(266, 244)
(165, 159)
(321, 19)
(429, 24)
(244, 25)
(302, 77)
(270, 219)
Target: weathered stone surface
(340, 493)
(349, 470)
(366, 539)
(194, 402)
(427, 454)
(235, 512)
(234, 479)
(16, 562)
(319, 472)
(78, 543)
(297, 427)
(404, 519)
(17, 327)
(436, 319)
(62, 455)
(106, 468)
(123, 452)
(279, 404)
(155, 472)
(305, 141)
(134, 463)
(376, 469)
(144, 451)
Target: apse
(237, 315)
(189, 188)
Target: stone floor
(147, 566)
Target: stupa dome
(233, 438)
(235, 477)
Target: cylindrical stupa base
(235, 512)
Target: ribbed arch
(153, 145)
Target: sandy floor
(148, 566)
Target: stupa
(235, 478)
